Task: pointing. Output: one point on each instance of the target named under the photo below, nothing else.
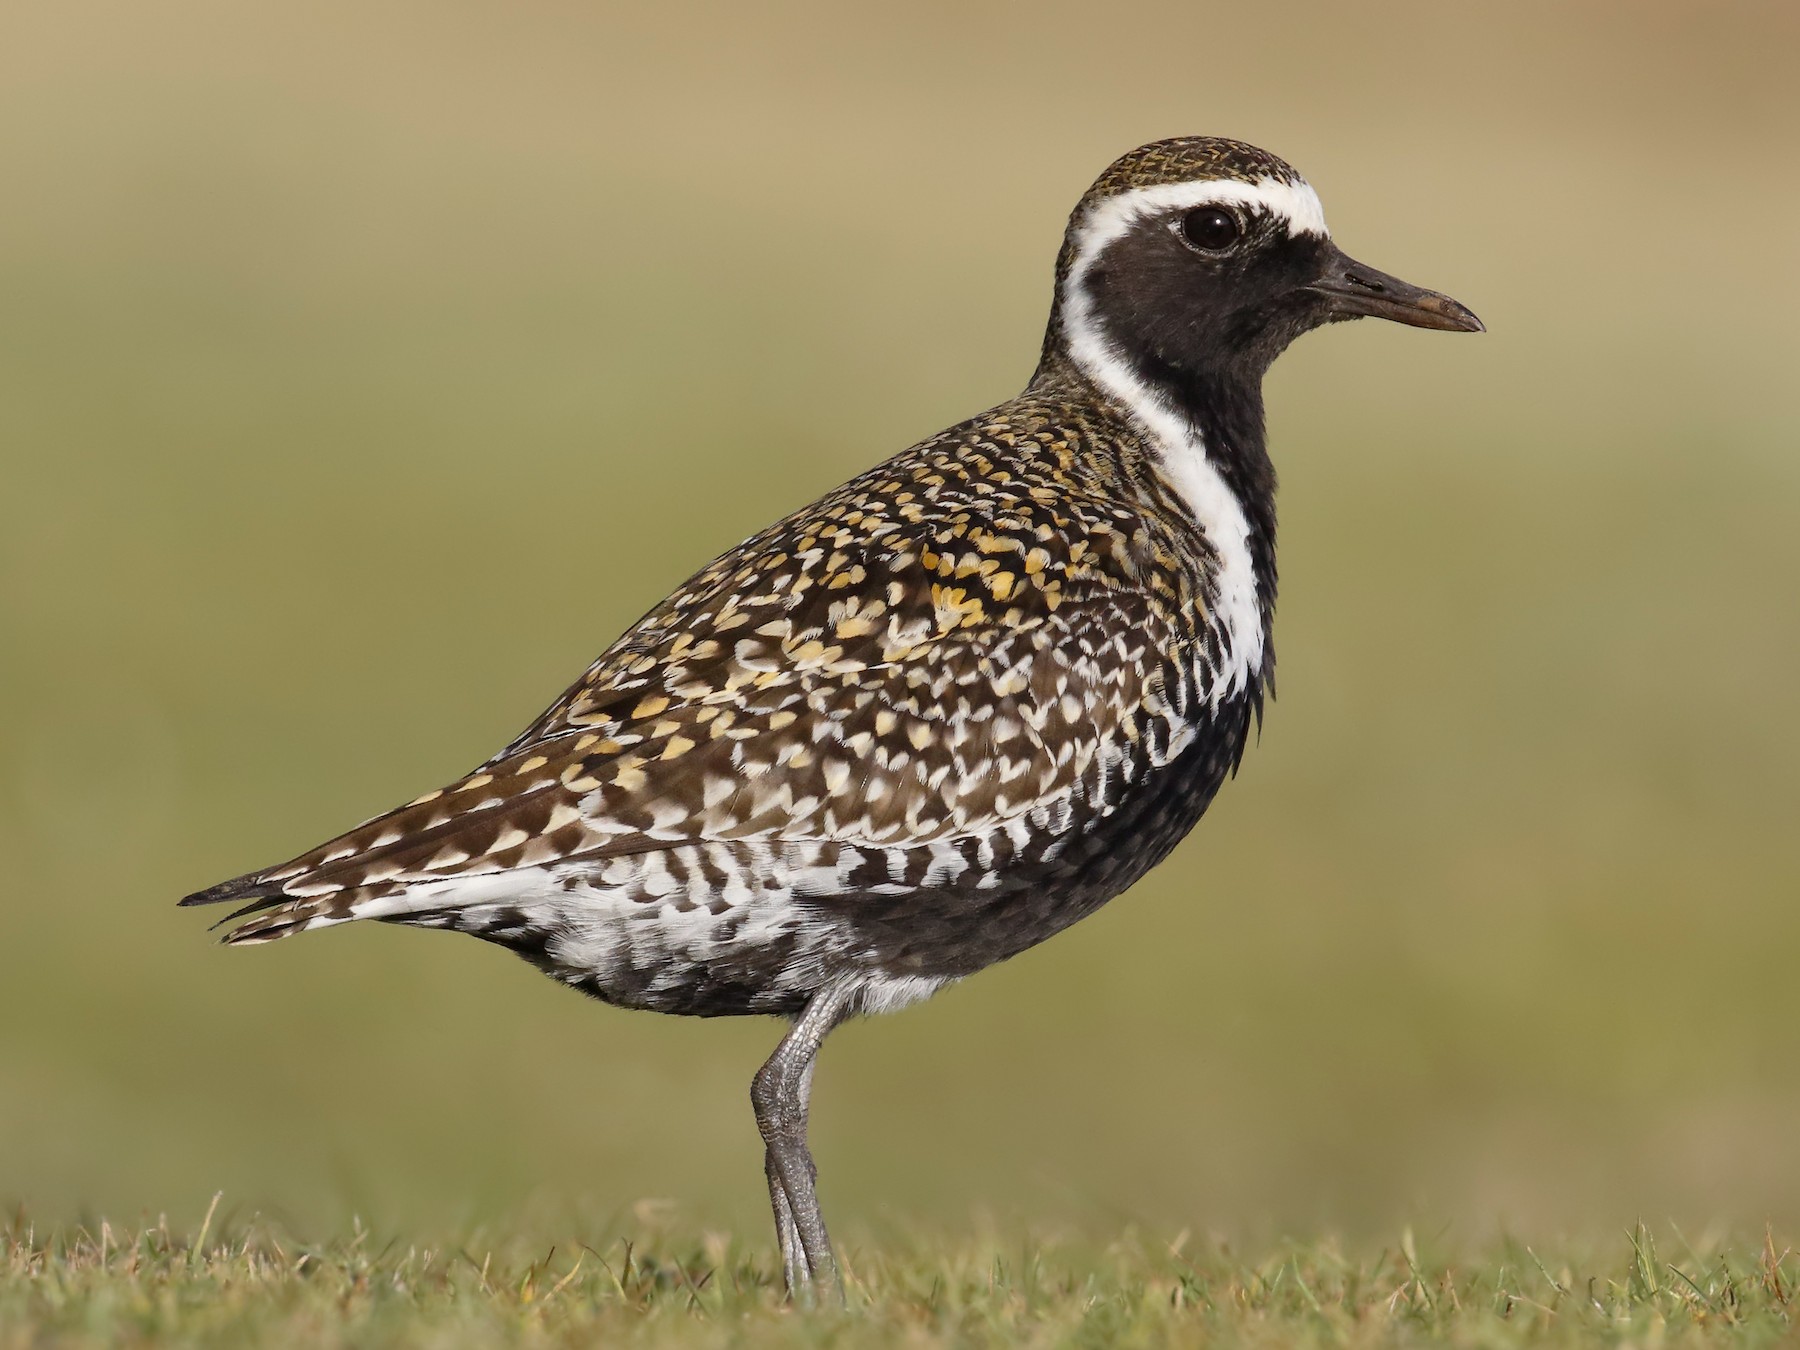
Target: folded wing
(851, 674)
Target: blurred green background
(365, 368)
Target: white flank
(1179, 445)
(626, 917)
(880, 994)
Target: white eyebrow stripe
(1295, 204)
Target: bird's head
(1202, 259)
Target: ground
(103, 1284)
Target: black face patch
(1181, 312)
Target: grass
(246, 1285)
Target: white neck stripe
(1235, 609)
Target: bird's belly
(708, 929)
(954, 930)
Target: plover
(935, 716)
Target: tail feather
(516, 816)
(283, 908)
(297, 916)
(281, 912)
(249, 887)
(430, 904)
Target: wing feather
(864, 671)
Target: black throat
(1228, 412)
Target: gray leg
(793, 1259)
(780, 1092)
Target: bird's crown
(1189, 159)
(1189, 171)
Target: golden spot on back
(577, 779)
(955, 607)
(650, 706)
(630, 780)
(676, 747)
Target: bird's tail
(424, 862)
(282, 913)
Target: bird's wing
(859, 672)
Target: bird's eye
(1210, 229)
